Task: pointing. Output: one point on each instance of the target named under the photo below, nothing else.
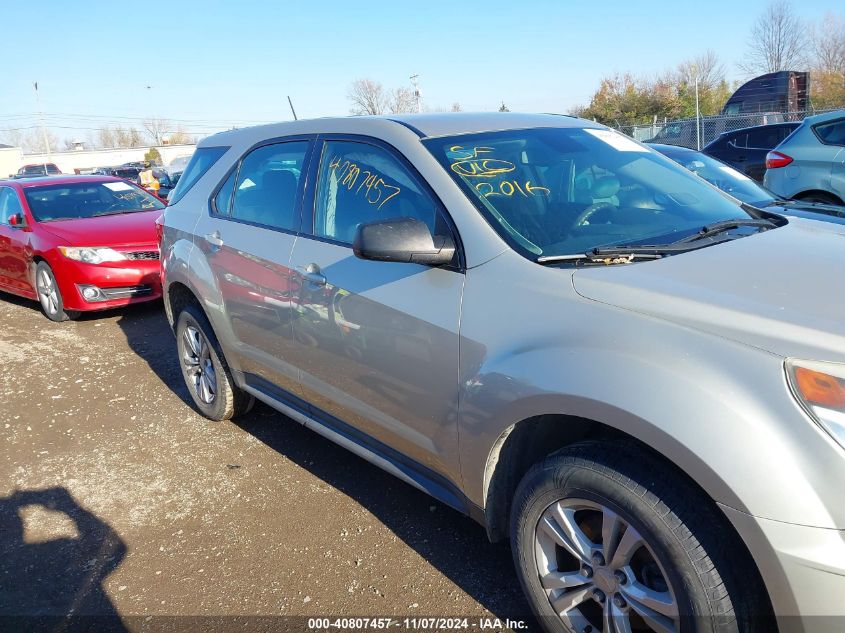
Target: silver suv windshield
(562, 191)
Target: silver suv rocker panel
(361, 444)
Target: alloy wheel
(197, 363)
(599, 573)
(47, 293)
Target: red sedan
(78, 243)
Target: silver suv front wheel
(197, 364)
(592, 562)
(608, 538)
(210, 384)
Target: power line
(98, 129)
(77, 116)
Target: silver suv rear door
(247, 238)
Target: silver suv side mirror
(406, 240)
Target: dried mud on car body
(116, 498)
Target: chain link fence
(686, 133)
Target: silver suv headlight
(820, 388)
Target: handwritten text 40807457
(474, 163)
(366, 183)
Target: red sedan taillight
(776, 159)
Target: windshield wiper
(726, 225)
(625, 254)
(601, 256)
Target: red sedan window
(71, 201)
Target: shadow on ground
(452, 543)
(31, 304)
(54, 557)
(149, 335)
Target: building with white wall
(12, 158)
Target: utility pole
(47, 157)
(416, 84)
(697, 118)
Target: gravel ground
(117, 498)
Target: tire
(205, 370)
(820, 197)
(49, 295)
(671, 554)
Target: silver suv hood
(782, 290)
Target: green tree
(625, 99)
(153, 156)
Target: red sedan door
(13, 246)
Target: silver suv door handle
(313, 275)
(214, 239)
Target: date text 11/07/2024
(417, 624)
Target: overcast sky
(214, 64)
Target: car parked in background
(132, 174)
(747, 190)
(683, 131)
(636, 378)
(78, 243)
(40, 169)
(126, 173)
(746, 149)
(177, 165)
(810, 163)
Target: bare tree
(827, 73)
(706, 67)
(106, 138)
(829, 45)
(127, 137)
(504, 108)
(456, 107)
(180, 137)
(367, 97)
(778, 41)
(118, 137)
(38, 141)
(157, 129)
(14, 137)
(402, 101)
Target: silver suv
(637, 379)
